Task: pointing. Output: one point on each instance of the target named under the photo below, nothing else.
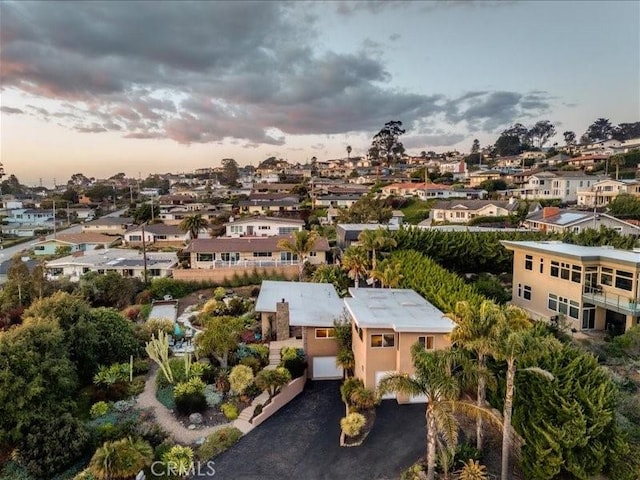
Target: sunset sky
(144, 87)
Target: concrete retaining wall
(288, 393)
(219, 275)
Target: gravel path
(166, 419)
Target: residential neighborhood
(356, 240)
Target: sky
(151, 87)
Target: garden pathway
(166, 419)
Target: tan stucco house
(592, 288)
(303, 311)
(385, 325)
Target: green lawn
(416, 210)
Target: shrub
(288, 353)
(189, 396)
(296, 366)
(219, 293)
(363, 398)
(144, 297)
(272, 381)
(132, 313)
(123, 406)
(348, 387)
(151, 327)
(218, 442)
(472, 470)
(198, 369)
(253, 363)
(180, 458)
(352, 424)
(136, 387)
(212, 396)
(222, 383)
(141, 366)
(257, 410)
(230, 411)
(165, 396)
(240, 378)
(260, 351)
(414, 472)
(99, 409)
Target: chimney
(550, 212)
(282, 320)
(512, 200)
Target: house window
(154, 272)
(588, 317)
(384, 340)
(428, 342)
(542, 265)
(524, 291)
(262, 254)
(325, 333)
(624, 280)
(555, 269)
(263, 227)
(160, 237)
(286, 230)
(553, 302)
(135, 238)
(564, 270)
(313, 254)
(236, 229)
(528, 262)
(230, 256)
(606, 276)
(288, 256)
(205, 257)
(576, 273)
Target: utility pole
(68, 217)
(144, 256)
(131, 193)
(152, 214)
(54, 219)
(114, 199)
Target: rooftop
(116, 221)
(246, 244)
(116, 257)
(402, 310)
(310, 304)
(258, 218)
(583, 253)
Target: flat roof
(310, 304)
(403, 310)
(583, 253)
(116, 257)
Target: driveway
(301, 441)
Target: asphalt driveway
(301, 441)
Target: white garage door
(325, 368)
(379, 377)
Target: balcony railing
(246, 263)
(600, 297)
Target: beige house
(108, 225)
(303, 311)
(461, 211)
(601, 193)
(592, 288)
(386, 323)
(158, 234)
(249, 252)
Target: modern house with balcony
(591, 288)
(259, 226)
(600, 194)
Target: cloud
(214, 71)
(426, 140)
(11, 110)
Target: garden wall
(288, 393)
(219, 275)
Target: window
(263, 227)
(262, 254)
(205, 257)
(564, 270)
(313, 254)
(286, 230)
(288, 256)
(325, 333)
(541, 265)
(135, 238)
(524, 291)
(588, 317)
(428, 343)
(576, 273)
(161, 237)
(555, 269)
(553, 302)
(624, 280)
(528, 262)
(606, 276)
(230, 256)
(154, 272)
(236, 229)
(384, 340)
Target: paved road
(301, 441)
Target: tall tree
(626, 131)
(476, 331)
(516, 343)
(387, 142)
(193, 224)
(388, 273)
(569, 138)
(475, 147)
(375, 241)
(348, 151)
(300, 245)
(229, 171)
(18, 275)
(599, 130)
(355, 261)
(220, 337)
(541, 132)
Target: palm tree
(356, 261)
(121, 459)
(300, 245)
(476, 331)
(348, 151)
(193, 224)
(433, 380)
(375, 240)
(388, 274)
(517, 342)
(617, 160)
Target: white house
(563, 185)
(601, 193)
(128, 263)
(556, 220)
(461, 211)
(262, 226)
(156, 233)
